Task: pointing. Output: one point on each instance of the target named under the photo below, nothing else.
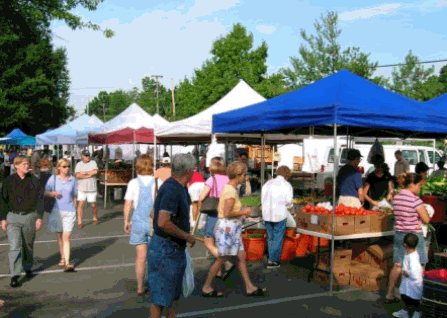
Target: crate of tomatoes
(347, 220)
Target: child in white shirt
(412, 280)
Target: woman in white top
(141, 195)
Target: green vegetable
(251, 201)
(253, 235)
(436, 186)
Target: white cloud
(159, 42)
(441, 3)
(265, 29)
(181, 7)
(367, 13)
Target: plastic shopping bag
(384, 204)
(376, 149)
(430, 212)
(291, 223)
(188, 278)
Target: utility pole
(156, 82)
(173, 101)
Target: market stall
(343, 103)
(132, 126)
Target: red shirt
(196, 177)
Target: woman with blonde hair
(63, 188)
(228, 233)
(140, 194)
(213, 189)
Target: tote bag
(209, 205)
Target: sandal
(95, 222)
(228, 272)
(258, 293)
(213, 294)
(144, 292)
(69, 268)
(61, 263)
(79, 226)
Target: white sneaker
(417, 314)
(401, 314)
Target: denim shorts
(139, 235)
(400, 251)
(211, 221)
(166, 266)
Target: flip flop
(96, 222)
(258, 293)
(79, 226)
(213, 294)
(61, 263)
(228, 272)
(144, 292)
(69, 268)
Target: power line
(403, 64)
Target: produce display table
(320, 235)
(109, 191)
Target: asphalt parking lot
(104, 283)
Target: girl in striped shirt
(409, 213)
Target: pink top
(406, 217)
(221, 181)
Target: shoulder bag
(210, 204)
(50, 201)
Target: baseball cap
(166, 160)
(354, 154)
(86, 153)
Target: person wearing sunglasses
(62, 186)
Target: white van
(413, 154)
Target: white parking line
(91, 268)
(78, 239)
(261, 303)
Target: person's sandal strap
(213, 294)
(227, 273)
(258, 293)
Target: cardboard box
(366, 278)
(360, 253)
(344, 225)
(341, 276)
(381, 222)
(342, 260)
(381, 257)
(362, 224)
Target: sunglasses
(64, 166)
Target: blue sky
(173, 38)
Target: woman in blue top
(62, 218)
(141, 195)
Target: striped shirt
(406, 217)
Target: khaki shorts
(351, 202)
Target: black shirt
(173, 198)
(378, 186)
(21, 195)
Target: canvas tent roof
(16, 133)
(134, 124)
(68, 133)
(199, 127)
(359, 106)
(438, 104)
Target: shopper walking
(62, 187)
(277, 200)
(349, 181)
(195, 187)
(35, 161)
(213, 189)
(228, 233)
(86, 171)
(409, 213)
(166, 253)
(21, 211)
(140, 196)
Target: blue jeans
(166, 266)
(275, 236)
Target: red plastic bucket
(438, 205)
(254, 247)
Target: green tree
(324, 56)
(443, 76)
(233, 58)
(100, 106)
(415, 81)
(148, 98)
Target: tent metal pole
(347, 138)
(133, 156)
(262, 159)
(336, 160)
(434, 151)
(105, 184)
(154, 152)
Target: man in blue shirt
(166, 252)
(349, 181)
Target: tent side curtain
(123, 136)
(344, 99)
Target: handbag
(210, 204)
(50, 201)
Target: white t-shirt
(89, 184)
(412, 285)
(277, 199)
(133, 189)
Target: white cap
(166, 160)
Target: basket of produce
(255, 243)
(254, 203)
(115, 176)
(434, 192)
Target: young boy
(411, 286)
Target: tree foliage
(415, 81)
(323, 56)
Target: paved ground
(104, 284)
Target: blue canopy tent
(16, 133)
(18, 138)
(438, 104)
(342, 103)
